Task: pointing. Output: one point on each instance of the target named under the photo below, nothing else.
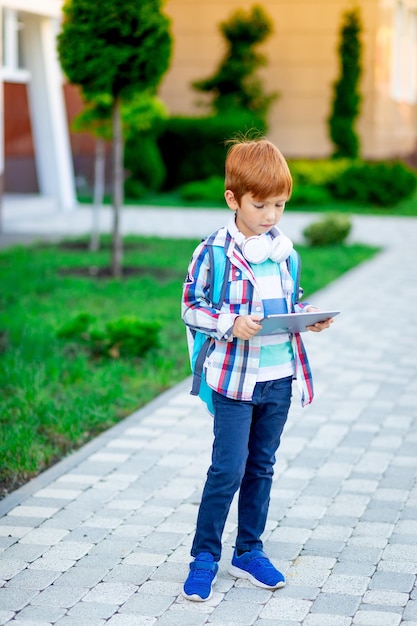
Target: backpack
(218, 285)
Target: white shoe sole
(240, 573)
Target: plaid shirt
(232, 364)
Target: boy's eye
(259, 206)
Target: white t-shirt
(277, 357)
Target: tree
(235, 84)
(141, 116)
(95, 119)
(346, 95)
(115, 48)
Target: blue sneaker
(202, 576)
(256, 567)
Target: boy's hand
(246, 326)
(318, 326)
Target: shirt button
(258, 308)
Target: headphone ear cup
(256, 249)
(281, 248)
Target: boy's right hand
(246, 326)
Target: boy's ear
(231, 201)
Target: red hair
(257, 167)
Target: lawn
(56, 395)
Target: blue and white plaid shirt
(232, 364)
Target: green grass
(55, 395)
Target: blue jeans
(246, 438)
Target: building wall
(48, 8)
(392, 121)
(20, 169)
(302, 65)
(35, 122)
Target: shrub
(346, 93)
(309, 195)
(143, 119)
(379, 183)
(76, 327)
(235, 84)
(127, 336)
(193, 148)
(144, 161)
(312, 178)
(319, 173)
(134, 189)
(331, 229)
(209, 190)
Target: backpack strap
(219, 272)
(198, 367)
(294, 268)
(219, 268)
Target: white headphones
(258, 248)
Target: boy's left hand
(318, 326)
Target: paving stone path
(104, 536)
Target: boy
(250, 375)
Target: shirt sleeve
(197, 310)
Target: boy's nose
(271, 214)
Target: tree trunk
(117, 255)
(99, 167)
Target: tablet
(293, 322)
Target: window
(404, 61)
(13, 69)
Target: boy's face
(256, 217)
